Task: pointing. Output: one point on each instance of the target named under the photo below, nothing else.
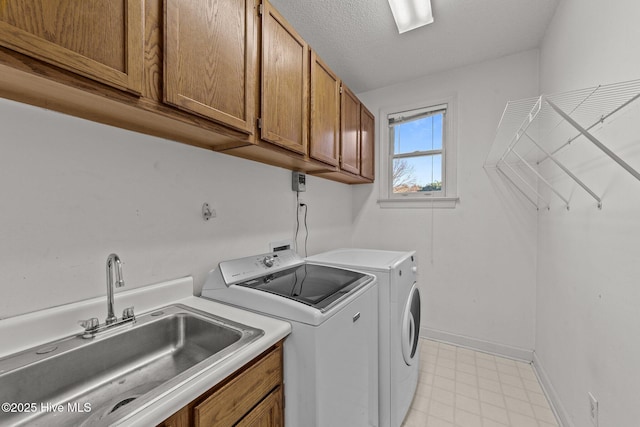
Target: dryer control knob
(268, 261)
(414, 269)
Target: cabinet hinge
(261, 9)
(340, 90)
(259, 123)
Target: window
(417, 150)
(420, 168)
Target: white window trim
(421, 200)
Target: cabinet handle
(356, 317)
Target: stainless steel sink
(77, 381)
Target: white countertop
(34, 329)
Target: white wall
(588, 297)
(73, 191)
(477, 261)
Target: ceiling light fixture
(411, 14)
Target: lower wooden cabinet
(251, 397)
(268, 413)
(179, 419)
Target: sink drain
(122, 403)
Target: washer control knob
(268, 261)
(414, 269)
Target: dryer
(399, 323)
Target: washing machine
(330, 358)
(399, 323)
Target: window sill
(425, 202)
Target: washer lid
(318, 286)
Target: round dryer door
(411, 326)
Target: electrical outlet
(593, 409)
(298, 181)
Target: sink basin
(97, 381)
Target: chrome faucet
(114, 277)
(114, 268)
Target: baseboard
(550, 392)
(522, 354)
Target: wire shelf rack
(533, 131)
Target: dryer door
(411, 326)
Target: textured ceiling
(358, 39)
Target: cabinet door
(236, 398)
(367, 143)
(349, 132)
(99, 39)
(324, 133)
(285, 77)
(208, 59)
(179, 419)
(267, 414)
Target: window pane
(416, 174)
(418, 135)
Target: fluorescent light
(411, 14)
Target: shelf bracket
(533, 202)
(541, 178)
(599, 121)
(594, 140)
(524, 181)
(567, 171)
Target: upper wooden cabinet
(194, 71)
(349, 132)
(284, 83)
(324, 132)
(99, 39)
(208, 59)
(367, 143)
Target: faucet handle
(89, 324)
(128, 313)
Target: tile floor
(458, 387)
